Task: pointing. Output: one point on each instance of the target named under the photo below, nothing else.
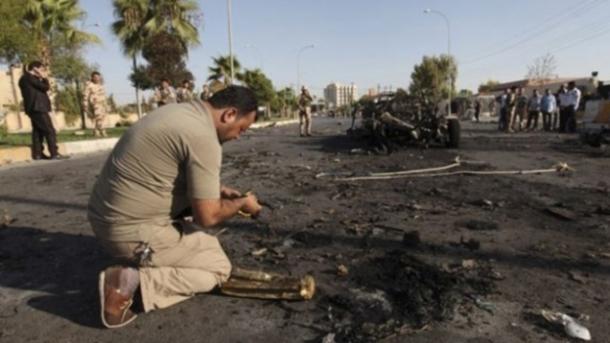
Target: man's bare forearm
(229, 208)
(214, 214)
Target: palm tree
(138, 20)
(221, 70)
(55, 18)
(176, 17)
(129, 28)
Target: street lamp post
(311, 46)
(230, 40)
(428, 11)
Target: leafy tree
(49, 20)
(138, 20)
(221, 70)
(16, 41)
(431, 79)
(165, 55)
(542, 69)
(465, 93)
(129, 28)
(487, 85)
(112, 104)
(284, 102)
(260, 84)
(67, 100)
(175, 17)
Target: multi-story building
(337, 95)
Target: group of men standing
(166, 94)
(518, 112)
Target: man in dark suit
(34, 86)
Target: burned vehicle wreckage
(390, 120)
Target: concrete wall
(20, 122)
(9, 87)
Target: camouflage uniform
(164, 96)
(520, 112)
(184, 94)
(94, 103)
(304, 103)
(205, 93)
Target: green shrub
(67, 101)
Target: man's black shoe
(41, 157)
(59, 157)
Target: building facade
(337, 95)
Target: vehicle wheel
(453, 132)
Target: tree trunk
(11, 69)
(138, 101)
(79, 98)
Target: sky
(377, 43)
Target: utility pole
(230, 40)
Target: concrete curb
(21, 154)
(263, 125)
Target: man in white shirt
(573, 101)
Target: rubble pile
(399, 293)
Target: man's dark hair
(95, 73)
(242, 98)
(186, 81)
(165, 80)
(34, 64)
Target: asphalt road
(550, 248)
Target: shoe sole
(101, 282)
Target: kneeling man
(168, 163)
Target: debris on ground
(471, 244)
(477, 225)
(330, 338)
(483, 203)
(561, 213)
(342, 270)
(571, 327)
(404, 292)
(469, 264)
(577, 276)
(259, 252)
(6, 219)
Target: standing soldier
(95, 102)
(184, 92)
(165, 94)
(205, 93)
(520, 111)
(304, 103)
(511, 101)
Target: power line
(577, 42)
(550, 25)
(580, 32)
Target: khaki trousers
(305, 121)
(184, 260)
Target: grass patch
(25, 139)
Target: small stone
(469, 264)
(342, 270)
